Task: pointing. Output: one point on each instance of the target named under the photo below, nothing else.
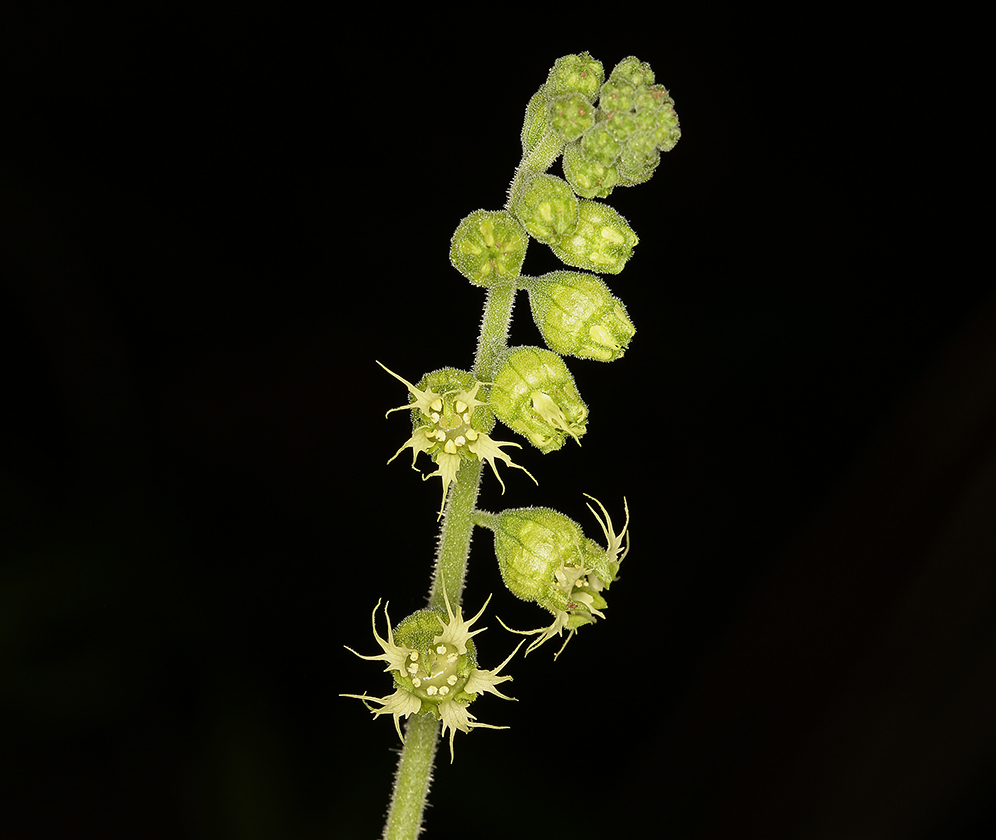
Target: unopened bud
(578, 316)
(489, 247)
(547, 208)
(602, 241)
(535, 395)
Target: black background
(214, 220)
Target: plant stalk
(411, 785)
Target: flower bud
(616, 95)
(545, 557)
(587, 177)
(634, 71)
(534, 394)
(599, 145)
(638, 159)
(578, 316)
(488, 247)
(602, 241)
(433, 661)
(640, 116)
(575, 74)
(547, 208)
(571, 115)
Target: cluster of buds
(635, 121)
(433, 659)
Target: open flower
(451, 425)
(545, 557)
(433, 659)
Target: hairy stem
(411, 785)
(404, 819)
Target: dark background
(213, 221)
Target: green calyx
(534, 394)
(571, 115)
(489, 247)
(544, 556)
(547, 208)
(589, 177)
(579, 74)
(601, 242)
(578, 316)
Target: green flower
(575, 74)
(571, 115)
(547, 208)
(545, 557)
(578, 316)
(489, 247)
(602, 241)
(451, 425)
(433, 660)
(535, 395)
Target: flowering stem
(411, 786)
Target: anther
(472, 434)
(416, 682)
(413, 656)
(434, 417)
(452, 679)
(441, 649)
(437, 405)
(443, 690)
(440, 435)
(431, 690)
(450, 447)
(460, 440)
(460, 406)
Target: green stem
(539, 159)
(411, 785)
